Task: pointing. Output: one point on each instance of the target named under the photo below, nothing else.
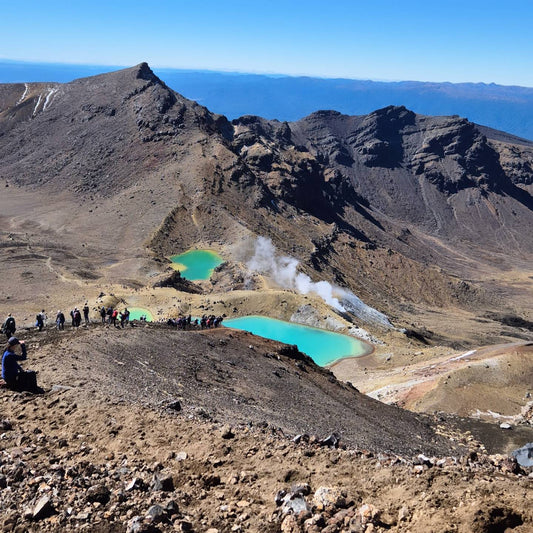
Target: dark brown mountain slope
(397, 207)
(232, 377)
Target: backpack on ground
(28, 381)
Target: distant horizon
(479, 41)
(111, 67)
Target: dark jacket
(9, 325)
(10, 367)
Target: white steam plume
(284, 270)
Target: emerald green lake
(137, 312)
(196, 264)
(324, 347)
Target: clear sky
(424, 40)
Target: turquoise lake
(324, 347)
(196, 264)
(137, 312)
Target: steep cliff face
(393, 168)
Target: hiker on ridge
(40, 320)
(86, 314)
(77, 317)
(114, 316)
(9, 326)
(60, 320)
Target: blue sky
(445, 40)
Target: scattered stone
(43, 509)
(162, 482)
(290, 524)
(156, 514)
(332, 441)
(174, 406)
(7, 425)
(211, 480)
(326, 497)
(185, 526)
(367, 513)
(227, 432)
(524, 455)
(423, 460)
(171, 508)
(403, 514)
(300, 438)
(505, 425)
(136, 484)
(98, 493)
(60, 388)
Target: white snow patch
(21, 99)
(50, 94)
(37, 105)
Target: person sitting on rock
(11, 370)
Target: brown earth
(107, 425)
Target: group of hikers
(13, 375)
(110, 315)
(187, 322)
(75, 317)
(16, 378)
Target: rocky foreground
(83, 456)
(129, 468)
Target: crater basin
(324, 347)
(196, 264)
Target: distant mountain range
(285, 98)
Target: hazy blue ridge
(285, 98)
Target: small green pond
(324, 347)
(196, 264)
(137, 312)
